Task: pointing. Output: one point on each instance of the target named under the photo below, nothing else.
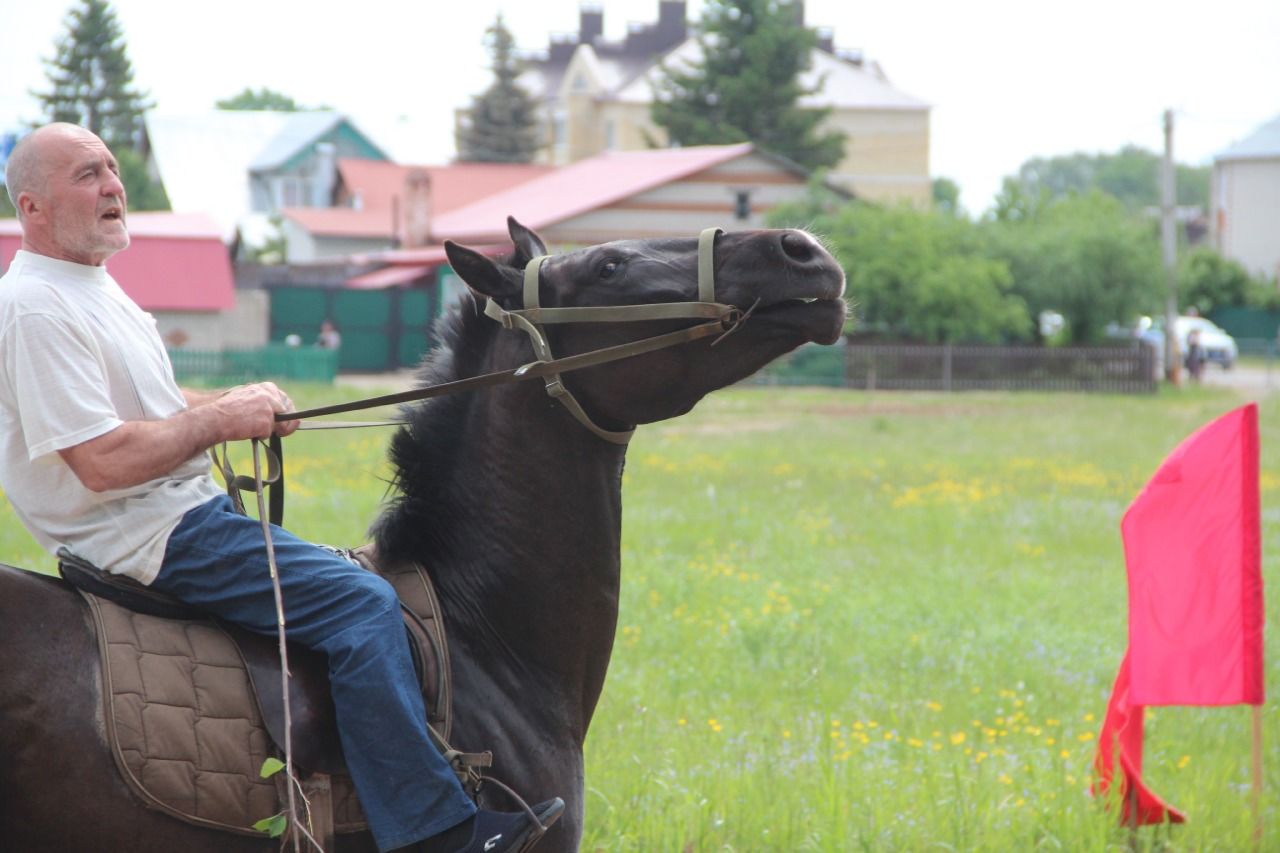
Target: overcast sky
(1008, 79)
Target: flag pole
(1257, 777)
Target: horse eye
(608, 269)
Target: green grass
(859, 621)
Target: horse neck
(525, 540)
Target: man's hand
(248, 411)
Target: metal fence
(1126, 369)
(276, 361)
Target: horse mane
(423, 453)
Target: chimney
(590, 24)
(415, 229)
(672, 25)
(324, 175)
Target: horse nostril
(797, 245)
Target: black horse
(514, 505)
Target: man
(102, 453)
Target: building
(380, 205)
(596, 96)
(243, 167)
(1245, 197)
(618, 195)
(385, 302)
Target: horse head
(786, 289)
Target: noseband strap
(533, 316)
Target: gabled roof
(839, 83)
(408, 265)
(452, 186)
(343, 221)
(301, 129)
(204, 158)
(1263, 143)
(577, 188)
(175, 262)
(378, 183)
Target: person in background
(1195, 355)
(102, 453)
(329, 337)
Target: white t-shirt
(77, 359)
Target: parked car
(1219, 347)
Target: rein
(721, 319)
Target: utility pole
(1169, 244)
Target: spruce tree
(502, 126)
(747, 88)
(91, 78)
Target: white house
(1245, 195)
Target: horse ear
(482, 274)
(528, 244)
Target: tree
(262, 99)
(502, 126)
(143, 192)
(946, 196)
(1131, 175)
(1208, 281)
(916, 275)
(91, 78)
(1084, 256)
(747, 87)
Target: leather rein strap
(722, 320)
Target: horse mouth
(816, 318)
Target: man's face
(84, 200)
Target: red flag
(1192, 546)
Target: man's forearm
(199, 398)
(138, 451)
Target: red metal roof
(343, 221)
(389, 277)
(580, 187)
(452, 186)
(378, 184)
(427, 255)
(175, 262)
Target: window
(742, 205)
(291, 191)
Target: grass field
(871, 622)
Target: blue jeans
(216, 560)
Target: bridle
(721, 320)
(532, 317)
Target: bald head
(66, 187)
(28, 166)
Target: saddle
(193, 705)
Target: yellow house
(597, 94)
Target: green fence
(381, 329)
(1116, 369)
(1255, 330)
(274, 361)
